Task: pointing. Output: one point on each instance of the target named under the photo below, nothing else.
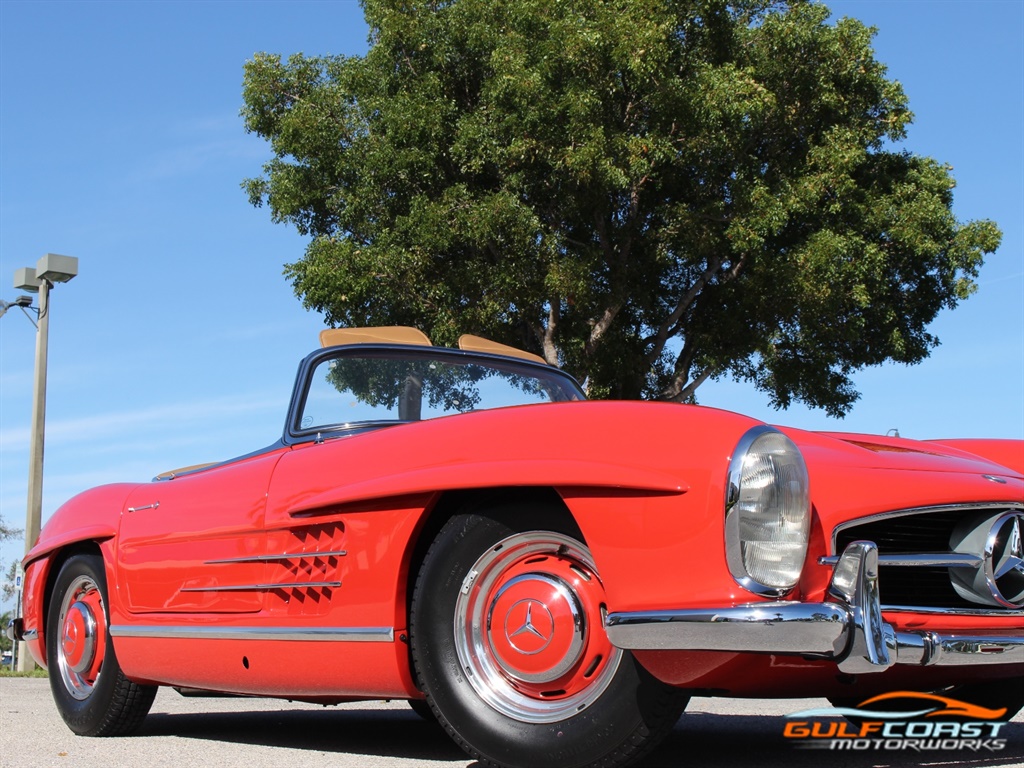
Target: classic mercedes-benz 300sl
(549, 578)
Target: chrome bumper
(848, 628)
(15, 630)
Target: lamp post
(50, 269)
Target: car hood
(894, 453)
(873, 452)
(854, 476)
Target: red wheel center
(74, 629)
(78, 637)
(535, 628)
(529, 626)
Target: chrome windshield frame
(295, 434)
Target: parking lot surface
(267, 733)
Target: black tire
(508, 644)
(421, 708)
(90, 690)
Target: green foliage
(6, 532)
(7, 579)
(36, 672)
(648, 193)
(5, 642)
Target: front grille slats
(917, 532)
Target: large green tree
(648, 193)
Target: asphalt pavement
(265, 733)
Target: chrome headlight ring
(767, 512)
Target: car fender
(488, 474)
(93, 515)
(648, 500)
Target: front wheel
(508, 643)
(90, 690)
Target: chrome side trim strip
(298, 634)
(266, 587)
(276, 558)
(940, 559)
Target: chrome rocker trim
(848, 628)
(299, 634)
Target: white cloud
(177, 418)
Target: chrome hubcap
(82, 637)
(535, 627)
(529, 628)
(78, 643)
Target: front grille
(920, 532)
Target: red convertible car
(549, 578)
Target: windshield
(372, 388)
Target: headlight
(767, 512)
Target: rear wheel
(508, 642)
(90, 691)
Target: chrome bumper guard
(15, 630)
(848, 628)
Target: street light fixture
(24, 303)
(51, 268)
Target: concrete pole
(34, 510)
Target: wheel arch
(452, 502)
(632, 533)
(89, 522)
(55, 562)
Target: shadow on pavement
(385, 733)
(737, 741)
(699, 739)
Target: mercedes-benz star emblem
(1007, 559)
(529, 626)
(994, 537)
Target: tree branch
(690, 388)
(614, 258)
(676, 391)
(599, 328)
(663, 333)
(682, 367)
(548, 340)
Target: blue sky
(121, 144)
